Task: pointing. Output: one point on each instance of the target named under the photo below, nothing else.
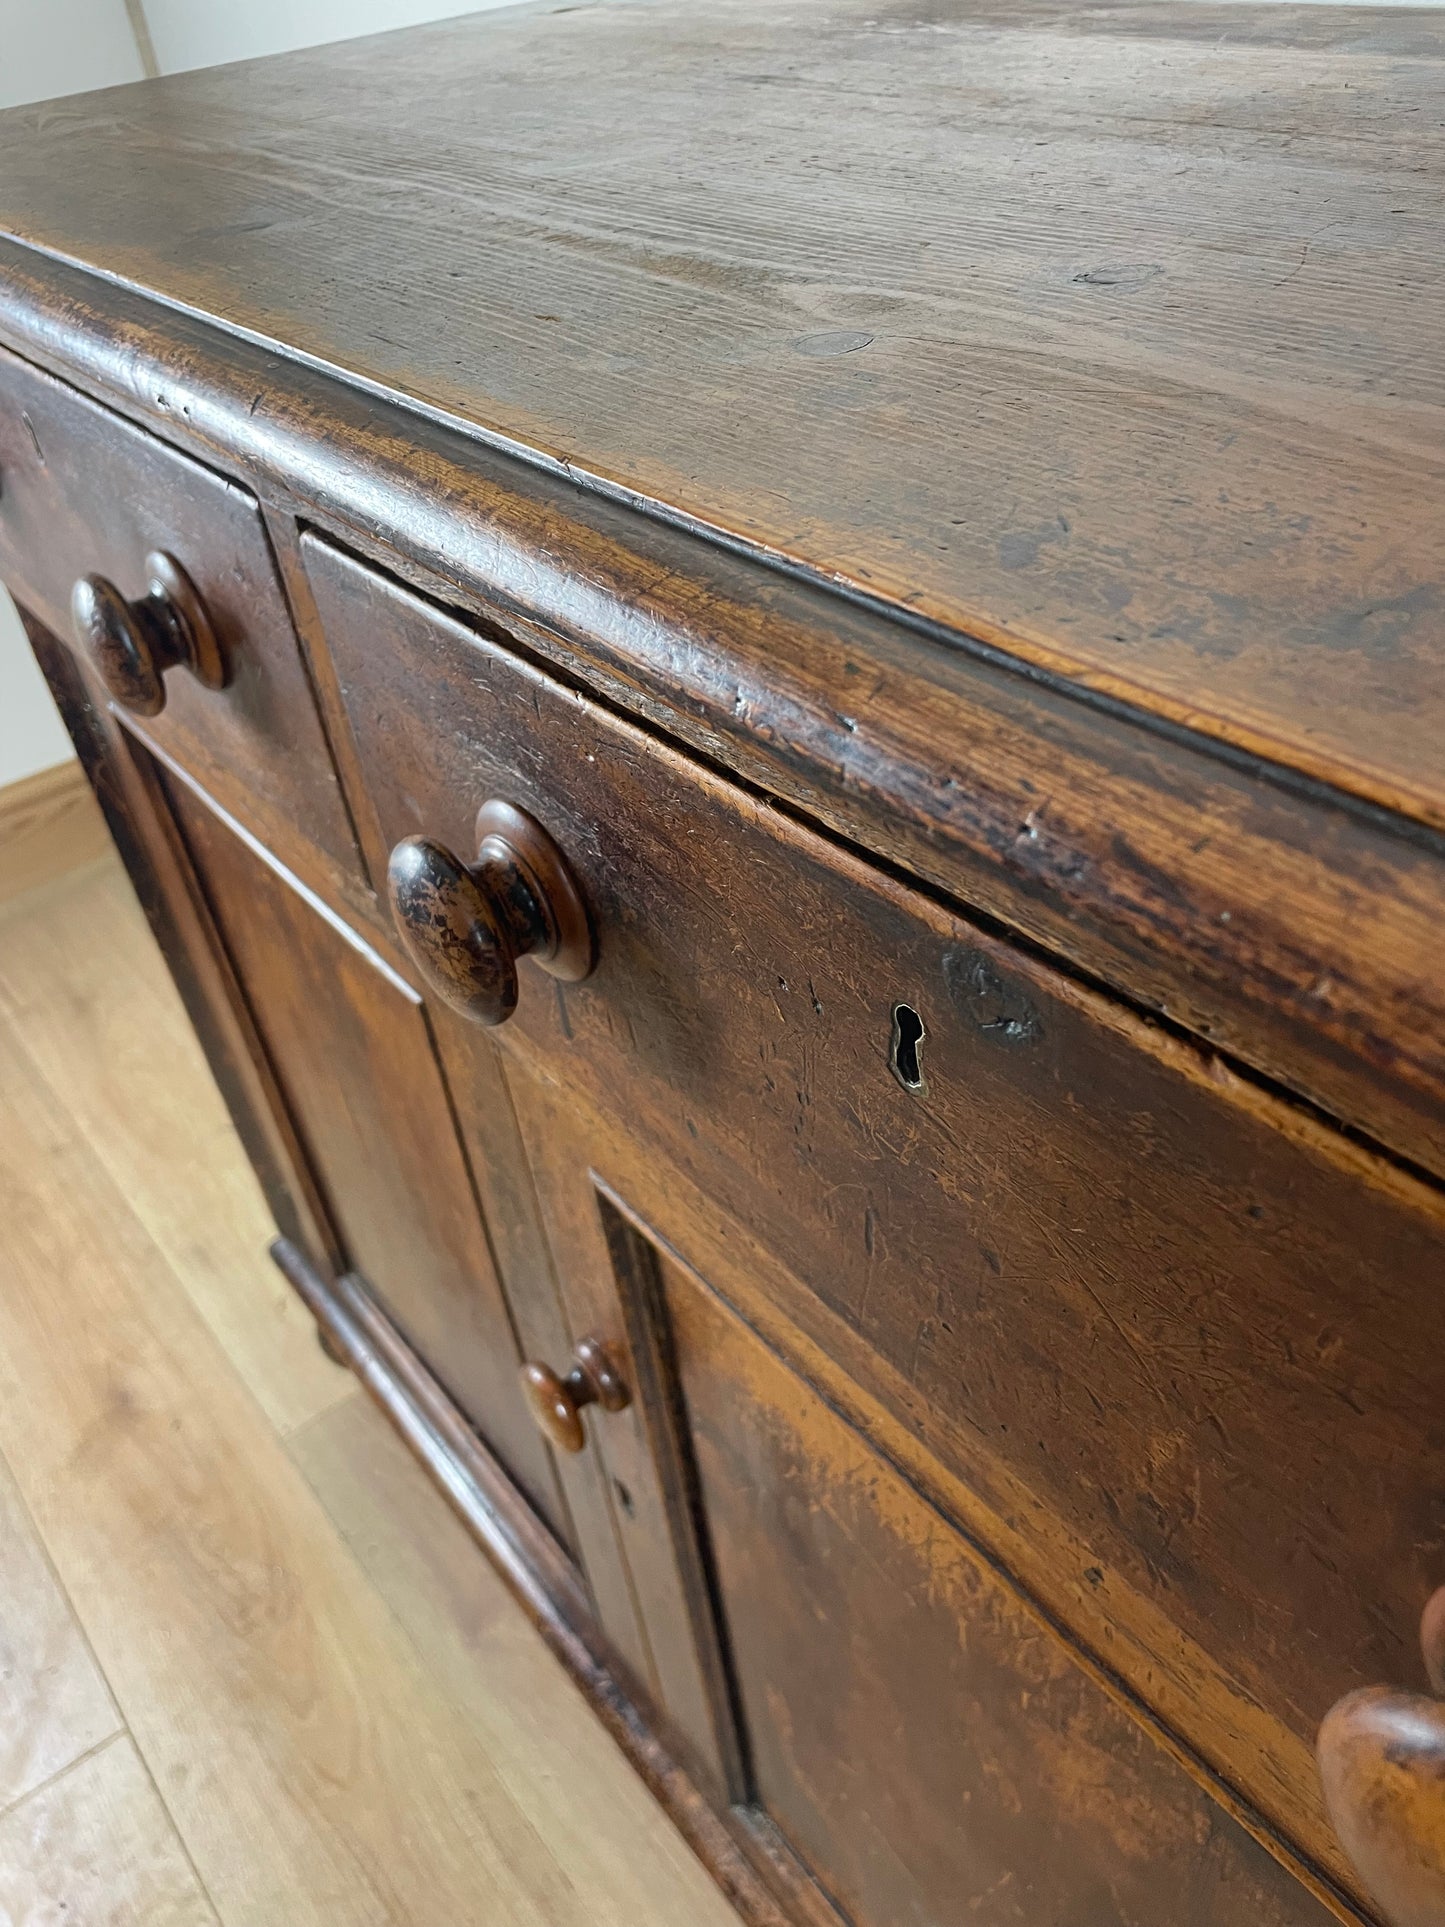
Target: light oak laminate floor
(252, 1672)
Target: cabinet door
(897, 1725)
(351, 1047)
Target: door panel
(893, 1711)
(493, 1128)
(926, 1743)
(640, 1548)
(352, 1049)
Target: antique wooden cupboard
(776, 676)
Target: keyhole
(905, 1054)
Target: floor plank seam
(28, 1512)
(122, 1732)
(300, 1427)
(177, 1831)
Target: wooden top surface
(1115, 336)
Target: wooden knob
(466, 925)
(1382, 1765)
(133, 644)
(557, 1402)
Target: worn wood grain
(591, 1169)
(1284, 922)
(1078, 328)
(1071, 1184)
(96, 1848)
(1006, 440)
(927, 1747)
(352, 1048)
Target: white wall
(31, 734)
(201, 33)
(50, 47)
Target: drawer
(84, 493)
(1186, 1344)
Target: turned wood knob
(132, 644)
(467, 924)
(1382, 1764)
(557, 1402)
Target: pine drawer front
(85, 494)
